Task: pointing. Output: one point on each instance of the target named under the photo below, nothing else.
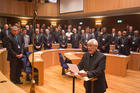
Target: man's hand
(103, 47)
(19, 56)
(83, 74)
(63, 45)
(85, 46)
(37, 47)
(48, 44)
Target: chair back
(61, 60)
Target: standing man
(124, 44)
(113, 36)
(63, 40)
(38, 40)
(47, 39)
(15, 53)
(84, 39)
(75, 38)
(26, 39)
(93, 63)
(104, 41)
(29, 32)
(4, 34)
(135, 41)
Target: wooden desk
(134, 62)
(9, 87)
(47, 58)
(4, 64)
(115, 64)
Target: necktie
(16, 39)
(7, 32)
(37, 37)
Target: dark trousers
(91, 88)
(16, 66)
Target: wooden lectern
(83, 78)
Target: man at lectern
(93, 63)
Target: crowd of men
(125, 41)
(17, 39)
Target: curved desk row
(46, 58)
(54, 46)
(115, 64)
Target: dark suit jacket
(135, 44)
(38, 42)
(47, 40)
(112, 39)
(12, 47)
(124, 43)
(95, 69)
(84, 41)
(104, 41)
(75, 41)
(4, 37)
(56, 36)
(63, 41)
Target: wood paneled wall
(21, 8)
(91, 6)
(14, 7)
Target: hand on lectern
(82, 73)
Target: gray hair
(13, 27)
(93, 41)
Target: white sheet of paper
(73, 68)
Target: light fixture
(24, 22)
(98, 22)
(54, 23)
(96, 16)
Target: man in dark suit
(56, 35)
(84, 39)
(75, 38)
(38, 40)
(104, 41)
(93, 63)
(63, 40)
(15, 53)
(47, 39)
(119, 35)
(113, 36)
(4, 34)
(135, 41)
(124, 44)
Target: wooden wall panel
(47, 9)
(91, 6)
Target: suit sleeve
(9, 48)
(99, 70)
(81, 64)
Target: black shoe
(19, 82)
(28, 79)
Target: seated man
(93, 63)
